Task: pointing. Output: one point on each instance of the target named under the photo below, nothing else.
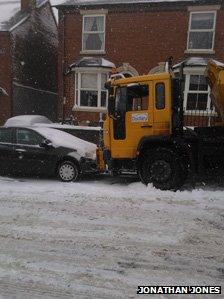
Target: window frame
(93, 32)
(196, 72)
(201, 30)
(78, 74)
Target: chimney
(27, 5)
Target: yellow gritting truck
(144, 130)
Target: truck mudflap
(101, 166)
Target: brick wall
(5, 76)
(142, 38)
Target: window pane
(137, 97)
(93, 41)
(200, 40)
(203, 86)
(28, 137)
(103, 98)
(197, 101)
(202, 101)
(88, 98)
(89, 81)
(194, 81)
(94, 24)
(192, 101)
(76, 81)
(5, 135)
(103, 81)
(198, 83)
(160, 96)
(202, 20)
(76, 97)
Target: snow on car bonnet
(59, 138)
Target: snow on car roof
(26, 120)
(59, 138)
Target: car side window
(29, 137)
(6, 135)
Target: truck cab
(144, 130)
(138, 107)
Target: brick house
(137, 36)
(28, 59)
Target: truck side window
(138, 97)
(160, 96)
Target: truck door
(133, 119)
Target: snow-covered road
(102, 238)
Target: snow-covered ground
(101, 238)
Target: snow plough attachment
(215, 75)
(100, 160)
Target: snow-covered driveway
(101, 239)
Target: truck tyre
(68, 171)
(163, 168)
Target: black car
(45, 151)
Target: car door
(30, 157)
(6, 150)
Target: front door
(133, 119)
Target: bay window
(90, 90)
(196, 95)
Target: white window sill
(92, 52)
(199, 51)
(89, 109)
(203, 113)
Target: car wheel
(68, 171)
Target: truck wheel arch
(180, 148)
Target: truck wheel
(68, 171)
(163, 168)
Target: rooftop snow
(11, 14)
(99, 2)
(7, 10)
